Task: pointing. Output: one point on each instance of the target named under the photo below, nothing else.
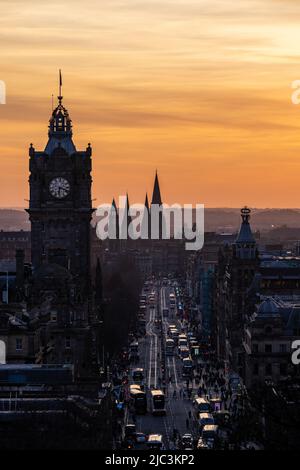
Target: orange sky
(200, 89)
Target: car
(129, 430)
(205, 418)
(210, 434)
(140, 437)
(187, 442)
(155, 442)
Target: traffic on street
(174, 395)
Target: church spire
(60, 126)
(156, 196)
(245, 242)
(129, 218)
(147, 202)
(245, 234)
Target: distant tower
(157, 200)
(156, 196)
(60, 207)
(60, 211)
(145, 222)
(245, 244)
(114, 244)
(241, 270)
(147, 216)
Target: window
(268, 348)
(68, 342)
(19, 344)
(282, 348)
(255, 348)
(269, 369)
(53, 316)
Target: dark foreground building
(51, 309)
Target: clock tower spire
(60, 207)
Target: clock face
(59, 187)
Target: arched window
(2, 352)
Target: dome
(268, 308)
(60, 130)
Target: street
(179, 410)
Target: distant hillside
(14, 219)
(261, 219)
(220, 219)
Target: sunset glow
(199, 89)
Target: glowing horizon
(199, 89)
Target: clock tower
(60, 207)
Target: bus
(171, 327)
(205, 419)
(170, 344)
(183, 336)
(201, 406)
(172, 301)
(174, 333)
(158, 402)
(155, 442)
(151, 299)
(142, 324)
(138, 376)
(143, 309)
(138, 399)
(187, 367)
(183, 352)
(134, 351)
(182, 341)
(210, 434)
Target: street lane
(179, 410)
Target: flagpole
(60, 82)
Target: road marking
(151, 345)
(175, 373)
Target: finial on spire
(60, 87)
(245, 213)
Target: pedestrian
(187, 422)
(190, 414)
